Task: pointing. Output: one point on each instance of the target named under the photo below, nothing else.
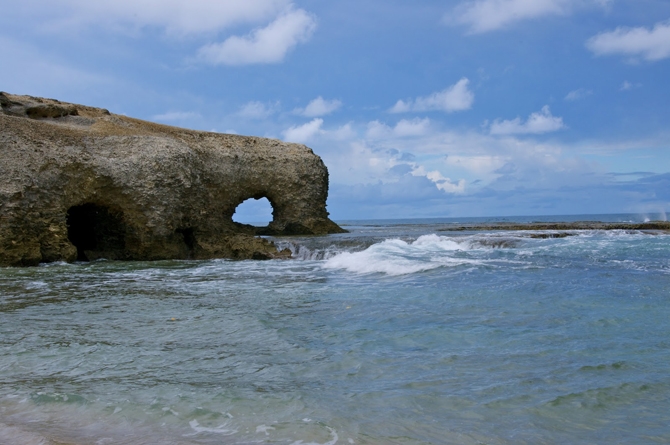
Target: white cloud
(455, 98)
(481, 165)
(442, 183)
(404, 128)
(471, 168)
(479, 171)
(177, 17)
(344, 132)
(626, 85)
(414, 127)
(181, 18)
(303, 133)
(581, 93)
(648, 44)
(377, 130)
(258, 110)
(319, 107)
(489, 15)
(264, 45)
(537, 123)
(401, 107)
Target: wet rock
(78, 182)
(551, 235)
(651, 226)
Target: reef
(650, 226)
(81, 183)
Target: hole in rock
(255, 212)
(96, 232)
(189, 238)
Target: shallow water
(394, 333)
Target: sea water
(396, 333)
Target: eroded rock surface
(78, 182)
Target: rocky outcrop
(78, 182)
(577, 225)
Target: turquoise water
(396, 333)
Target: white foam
(264, 429)
(398, 257)
(221, 429)
(300, 252)
(31, 285)
(436, 243)
(170, 410)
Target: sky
(418, 108)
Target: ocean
(398, 332)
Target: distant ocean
(396, 333)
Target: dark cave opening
(189, 238)
(96, 232)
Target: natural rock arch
(151, 191)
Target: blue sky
(418, 108)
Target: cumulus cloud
(405, 190)
(441, 182)
(537, 123)
(581, 93)
(344, 132)
(414, 127)
(482, 165)
(648, 44)
(482, 16)
(319, 107)
(479, 173)
(258, 110)
(377, 130)
(372, 200)
(303, 133)
(178, 17)
(287, 26)
(263, 45)
(404, 128)
(455, 98)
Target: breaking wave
(399, 257)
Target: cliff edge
(78, 182)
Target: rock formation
(78, 182)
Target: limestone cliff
(78, 182)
